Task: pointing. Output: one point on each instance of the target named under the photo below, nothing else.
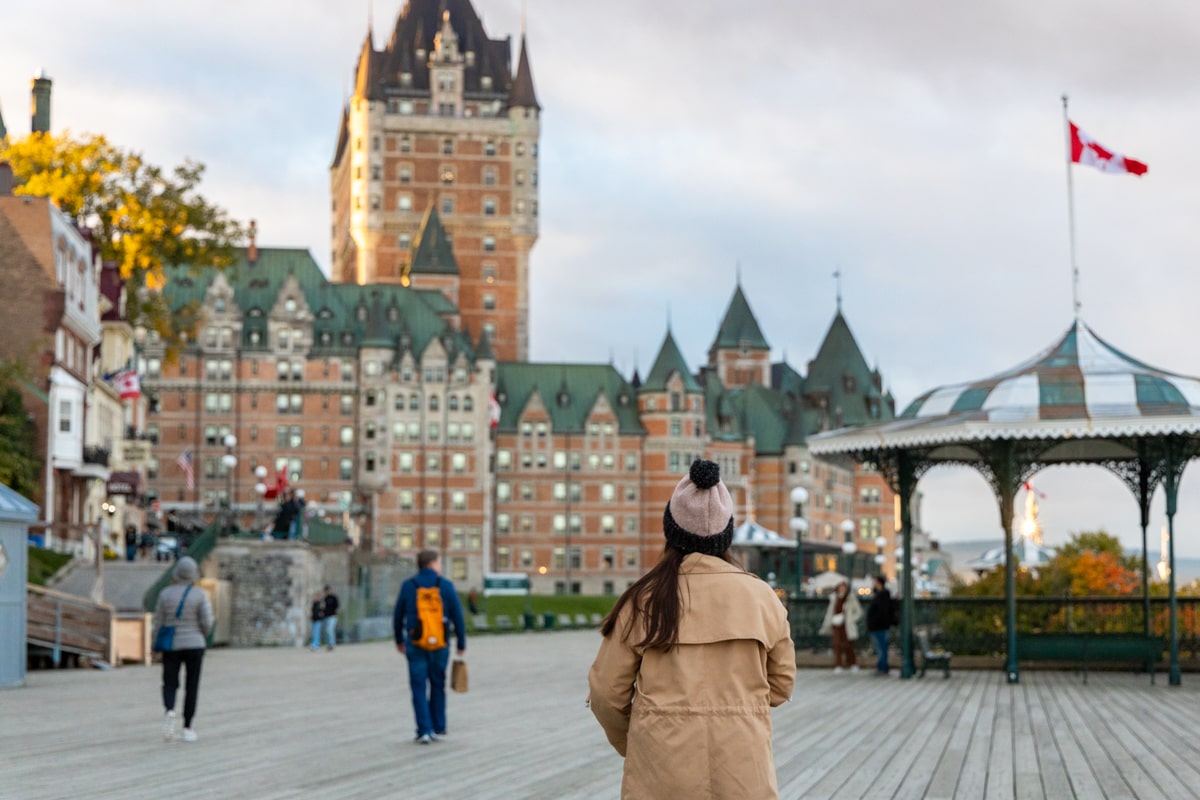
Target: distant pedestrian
(473, 601)
(187, 608)
(694, 656)
(841, 622)
(426, 606)
(330, 622)
(879, 620)
(131, 542)
(318, 617)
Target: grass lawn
(539, 604)
(44, 563)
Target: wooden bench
(581, 621)
(504, 622)
(564, 621)
(930, 656)
(1087, 648)
(480, 623)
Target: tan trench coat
(695, 722)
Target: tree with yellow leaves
(143, 217)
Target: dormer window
(219, 305)
(289, 306)
(360, 313)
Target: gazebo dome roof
(1079, 387)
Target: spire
(366, 82)
(522, 94)
(837, 279)
(669, 360)
(739, 327)
(432, 253)
(484, 351)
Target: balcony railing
(96, 455)
(976, 625)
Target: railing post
(56, 653)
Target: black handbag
(164, 639)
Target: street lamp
(229, 462)
(849, 547)
(260, 490)
(798, 525)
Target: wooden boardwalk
(286, 723)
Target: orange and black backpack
(429, 630)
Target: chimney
(252, 251)
(40, 117)
(6, 179)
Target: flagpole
(1075, 304)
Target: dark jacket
(318, 610)
(404, 618)
(331, 605)
(879, 613)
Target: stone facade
(273, 585)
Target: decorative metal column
(906, 484)
(1171, 475)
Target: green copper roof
(432, 254)
(669, 360)
(484, 350)
(841, 372)
(739, 326)
(346, 316)
(568, 392)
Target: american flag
(185, 463)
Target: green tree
(19, 464)
(144, 217)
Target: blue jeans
(881, 647)
(427, 679)
(330, 625)
(317, 626)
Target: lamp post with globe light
(848, 547)
(260, 491)
(799, 525)
(229, 462)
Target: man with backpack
(427, 602)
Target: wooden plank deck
(286, 723)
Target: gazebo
(1081, 401)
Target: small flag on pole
(1086, 150)
(494, 410)
(185, 463)
(129, 387)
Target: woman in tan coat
(695, 655)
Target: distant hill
(1188, 569)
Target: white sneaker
(424, 738)
(838, 670)
(168, 726)
(854, 668)
(189, 735)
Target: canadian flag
(128, 386)
(1086, 150)
(494, 410)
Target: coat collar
(700, 564)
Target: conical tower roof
(522, 94)
(669, 360)
(432, 253)
(740, 327)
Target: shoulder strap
(182, 600)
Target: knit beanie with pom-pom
(699, 516)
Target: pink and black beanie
(699, 516)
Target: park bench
(931, 656)
(480, 623)
(1086, 648)
(504, 622)
(581, 621)
(564, 621)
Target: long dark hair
(657, 600)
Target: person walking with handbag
(695, 654)
(426, 605)
(182, 623)
(842, 616)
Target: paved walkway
(125, 582)
(286, 723)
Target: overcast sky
(919, 146)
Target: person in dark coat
(330, 621)
(318, 617)
(879, 620)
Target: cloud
(917, 146)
